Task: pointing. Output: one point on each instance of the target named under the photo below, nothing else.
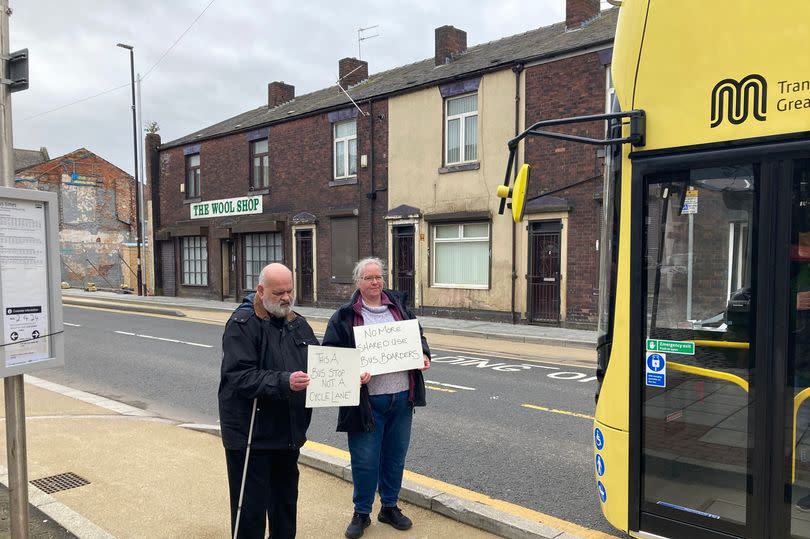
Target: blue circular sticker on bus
(598, 439)
(602, 491)
(600, 465)
(656, 362)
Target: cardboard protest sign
(392, 347)
(334, 377)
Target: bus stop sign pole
(13, 385)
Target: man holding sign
(261, 406)
(379, 429)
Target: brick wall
(301, 170)
(549, 91)
(96, 214)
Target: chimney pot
(579, 11)
(278, 92)
(450, 42)
(351, 71)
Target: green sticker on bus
(671, 347)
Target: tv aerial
(361, 36)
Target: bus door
(722, 416)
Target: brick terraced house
(409, 175)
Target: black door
(544, 272)
(305, 285)
(403, 269)
(721, 417)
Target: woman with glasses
(379, 429)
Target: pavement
(143, 476)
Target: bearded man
(264, 359)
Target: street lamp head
(124, 46)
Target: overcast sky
(221, 67)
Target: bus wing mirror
(516, 194)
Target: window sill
(461, 286)
(194, 285)
(192, 200)
(459, 168)
(256, 192)
(336, 280)
(343, 181)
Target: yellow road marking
(564, 412)
(471, 495)
(434, 388)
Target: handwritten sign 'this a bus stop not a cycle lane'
(334, 377)
(392, 347)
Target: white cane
(244, 472)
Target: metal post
(16, 450)
(135, 159)
(141, 186)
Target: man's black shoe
(360, 521)
(394, 517)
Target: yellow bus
(702, 422)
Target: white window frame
(346, 155)
(197, 272)
(462, 130)
(461, 239)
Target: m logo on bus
(733, 100)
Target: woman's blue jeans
(378, 457)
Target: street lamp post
(135, 153)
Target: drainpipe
(517, 69)
(372, 194)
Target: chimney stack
(450, 42)
(278, 93)
(351, 71)
(579, 11)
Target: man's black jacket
(259, 352)
(339, 332)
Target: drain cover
(62, 481)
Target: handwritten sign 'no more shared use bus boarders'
(334, 377)
(392, 347)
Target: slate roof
(29, 158)
(547, 41)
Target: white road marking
(449, 385)
(72, 325)
(567, 375)
(164, 339)
(506, 366)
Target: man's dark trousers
(271, 488)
